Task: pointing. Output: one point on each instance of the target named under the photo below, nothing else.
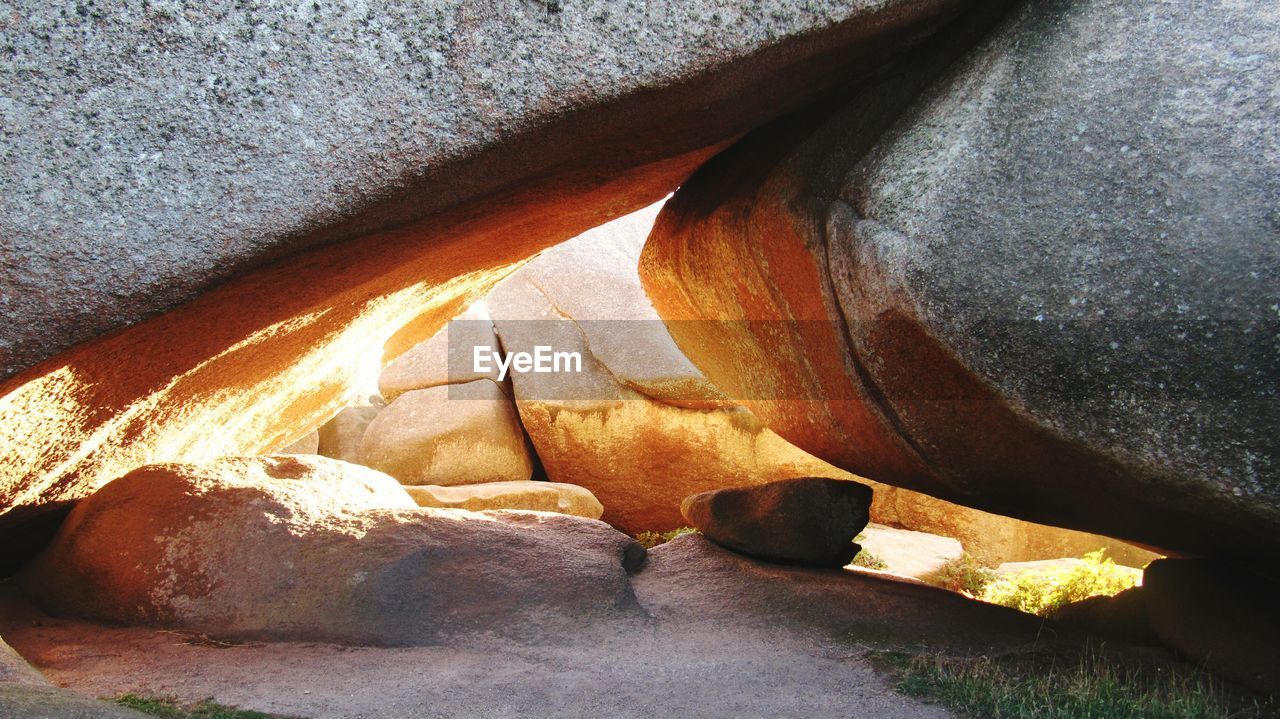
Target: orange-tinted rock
(937, 288)
(992, 538)
(310, 548)
(639, 426)
(292, 298)
(449, 434)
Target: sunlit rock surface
(310, 548)
(531, 496)
(138, 181)
(639, 426)
(449, 434)
(1043, 287)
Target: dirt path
(730, 637)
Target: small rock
(810, 520)
(526, 495)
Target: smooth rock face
(125, 153)
(446, 358)
(308, 443)
(340, 437)
(639, 426)
(908, 553)
(531, 496)
(808, 520)
(1123, 616)
(1049, 280)
(1218, 616)
(449, 434)
(136, 179)
(308, 548)
(994, 539)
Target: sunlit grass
(1092, 688)
(1046, 590)
(649, 540)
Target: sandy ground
(730, 637)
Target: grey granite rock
(1086, 212)
(153, 149)
(1052, 266)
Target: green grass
(649, 540)
(170, 709)
(964, 574)
(1043, 591)
(1093, 688)
(868, 560)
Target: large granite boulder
(1222, 617)
(311, 189)
(309, 548)
(449, 434)
(806, 520)
(1039, 281)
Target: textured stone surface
(807, 520)
(640, 426)
(531, 496)
(340, 437)
(27, 702)
(309, 548)
(459, 434)
(1048, 279)
(992, 538)
(1218, 616)
(692, 578)
(15, 670)
(152, 153)
(446, 358)
(160, 149)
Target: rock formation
(1035, 280)
(310, 548)
(140, 180)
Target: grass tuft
(1042, 592)
(170, 709)
(649, 540)
(964, 575)
(1094, 689)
